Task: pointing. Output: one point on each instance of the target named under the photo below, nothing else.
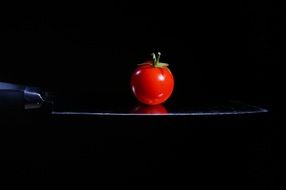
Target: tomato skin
(152, 85)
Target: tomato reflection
(145, 109)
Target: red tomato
(152, 82)
(146, 109)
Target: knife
(15, 97)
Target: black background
(215, 49)
(231, 49)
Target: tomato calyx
(155, 61)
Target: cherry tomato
(152, 82)
(146, 109)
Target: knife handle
(14, 97)
(11, 100)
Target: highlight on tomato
(152, 82)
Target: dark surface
(230, 152)
(224, 51)
(237, 151)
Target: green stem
(156, 59)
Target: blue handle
(13, 96)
